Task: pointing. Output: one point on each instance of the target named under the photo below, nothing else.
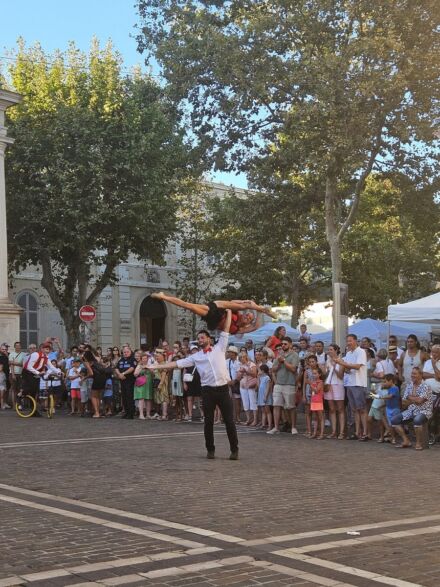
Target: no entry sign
(87, 313)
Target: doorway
(152, 315)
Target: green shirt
(282, 375)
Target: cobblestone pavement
(116, 502)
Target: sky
(56, 22)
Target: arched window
(28, 319)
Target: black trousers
(218, 396)
(31, 384)
(127, 395)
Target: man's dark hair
(18, 342)
(287, 339)
(319, 342)
(203, 331)
(353, 336)
(74, 347)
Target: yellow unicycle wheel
(25, 406)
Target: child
(43, 394)
(74, 376)
(84, 391)
(265, 397)
(317, 401)
(390, 394)
(177, 389)
(310, 363)
(108, 397)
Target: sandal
(403, 445)
(333, 435)
(341, 437)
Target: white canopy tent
(426, 310)
(379, 331)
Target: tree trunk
(295, 301)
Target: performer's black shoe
(210, 454)
(234, 455)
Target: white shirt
(36, 365)
(233, 367)
(385, 367)
(75, 383)
(433, 383)
(322, 358)
(357, 377)
(211, 365)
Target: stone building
(125, 311)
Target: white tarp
(426, 310)
(377, 331)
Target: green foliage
(94, 171)
(269, 249)
(279, 88)
(391, 251)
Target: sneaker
(234, 455)
(188, 420)
(273, 431)
(294, 431)
(210, 454)
(6, 407)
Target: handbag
(252, 382)
(140, 381)
(188, 377)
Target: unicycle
(25, 405)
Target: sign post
(87, 313)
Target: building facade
(125, 310)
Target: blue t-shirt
(108, 390)
(392, 404)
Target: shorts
(392, 414)
(84, 395)
(377, 413)
(249, 399)
(75, 393)
(357, 397)
(284, 396)
(44, 394)
(336, 392)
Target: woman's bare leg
(240, 305)
(199, 309)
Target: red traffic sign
(87, 313)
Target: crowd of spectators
(359, 393)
